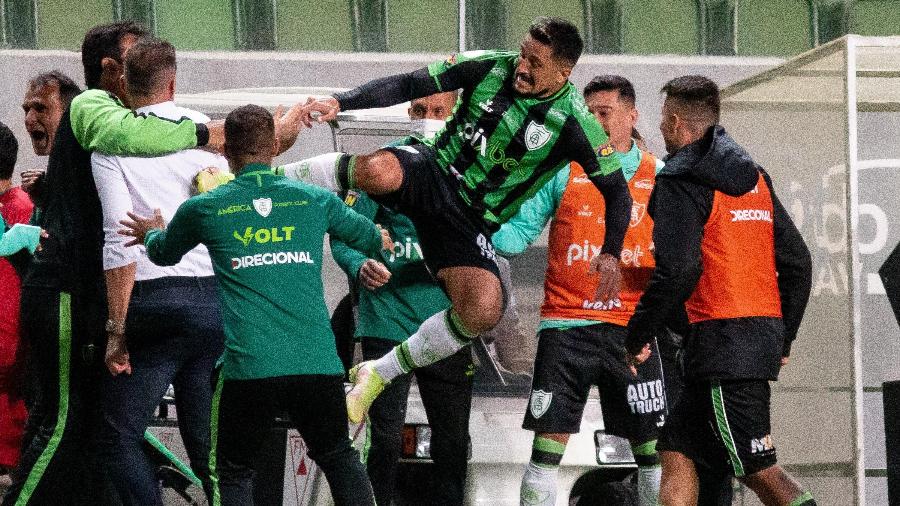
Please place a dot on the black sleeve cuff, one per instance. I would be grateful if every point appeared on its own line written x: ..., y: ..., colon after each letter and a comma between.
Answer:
x: 202, y: 135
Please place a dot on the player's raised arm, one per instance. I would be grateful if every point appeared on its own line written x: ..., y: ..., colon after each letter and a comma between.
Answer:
x: 459, y: 71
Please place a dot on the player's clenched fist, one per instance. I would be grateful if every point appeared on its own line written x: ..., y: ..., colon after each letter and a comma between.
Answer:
x: 373, y: 274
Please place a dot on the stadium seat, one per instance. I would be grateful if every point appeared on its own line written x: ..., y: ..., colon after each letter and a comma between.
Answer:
x: 774, y: 27
x: 416, y: 26
x: 60, y: 25
x: 660, y: 27
x: 875, y: 17
x: 300, y: 25
x: 211, y: 24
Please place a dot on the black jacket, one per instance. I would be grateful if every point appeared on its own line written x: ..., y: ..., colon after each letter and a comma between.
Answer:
x: 739, y: 348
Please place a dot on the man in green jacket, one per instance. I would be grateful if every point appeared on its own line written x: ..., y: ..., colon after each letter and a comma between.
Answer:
x: 265, y: 236
x: 397, y: 294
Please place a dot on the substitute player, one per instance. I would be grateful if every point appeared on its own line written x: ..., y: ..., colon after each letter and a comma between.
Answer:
x: 265, y: 236
x: 518, y: 123
x: 581, y: 340
x: 726, y: 246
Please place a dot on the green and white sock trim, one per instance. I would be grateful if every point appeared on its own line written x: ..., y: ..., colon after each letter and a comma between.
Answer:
x: 547, y: 453
x: 805, y: 499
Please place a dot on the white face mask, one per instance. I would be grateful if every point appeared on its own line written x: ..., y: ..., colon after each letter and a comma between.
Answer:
x: 427, y: 128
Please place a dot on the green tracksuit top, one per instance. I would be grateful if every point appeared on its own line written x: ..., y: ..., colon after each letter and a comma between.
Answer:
x: 265, y: 236
x: 398, y: 308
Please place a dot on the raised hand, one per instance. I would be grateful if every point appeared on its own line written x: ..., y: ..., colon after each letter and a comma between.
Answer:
x: 138, y: 226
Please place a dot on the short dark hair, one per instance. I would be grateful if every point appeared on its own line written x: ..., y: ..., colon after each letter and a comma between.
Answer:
x: 103, y: 41
x: 610, y: 82
x: 67, y: 87
x: 699, y: 94
x: 146, y: 63
x: 9, y: 151
x: 561, y: 35
x: 249, y: 130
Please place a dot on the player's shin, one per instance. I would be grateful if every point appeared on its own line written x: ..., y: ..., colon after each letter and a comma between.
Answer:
x: 539, y: 481
x: 649, y: 472
x: 332, y: 171
x: 438, y: 337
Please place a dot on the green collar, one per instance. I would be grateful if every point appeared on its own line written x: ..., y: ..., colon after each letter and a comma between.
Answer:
x: 255, y: 169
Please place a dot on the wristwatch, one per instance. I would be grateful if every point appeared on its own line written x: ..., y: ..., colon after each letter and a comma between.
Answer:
x: 116, y: 327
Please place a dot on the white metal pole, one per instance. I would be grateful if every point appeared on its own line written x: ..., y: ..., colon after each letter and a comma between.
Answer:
x: 462, y: 25
x: 855, y: 266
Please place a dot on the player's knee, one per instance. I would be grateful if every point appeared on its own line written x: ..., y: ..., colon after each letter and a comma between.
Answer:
x: 377, y: 173
x: 481, y: 313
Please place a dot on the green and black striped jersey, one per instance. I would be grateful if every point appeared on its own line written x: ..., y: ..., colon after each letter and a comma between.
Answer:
x: 501, y: 147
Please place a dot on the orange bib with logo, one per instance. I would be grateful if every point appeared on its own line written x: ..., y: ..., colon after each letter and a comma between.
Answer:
x: 576, y: 236
x: 738, y: 257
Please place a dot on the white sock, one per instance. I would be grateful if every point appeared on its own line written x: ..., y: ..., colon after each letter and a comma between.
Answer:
x: 538, y: 486
x: 319, y: 170
x: 648, y: 485
x: 433, y: 341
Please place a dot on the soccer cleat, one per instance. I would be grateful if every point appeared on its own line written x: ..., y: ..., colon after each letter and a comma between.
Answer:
x: 367, y: 384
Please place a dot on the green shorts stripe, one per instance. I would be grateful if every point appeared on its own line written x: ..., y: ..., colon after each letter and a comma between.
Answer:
x: 65, y: 354
x: 214, y: 440
x: 171, y: 457
x: 718, y: 402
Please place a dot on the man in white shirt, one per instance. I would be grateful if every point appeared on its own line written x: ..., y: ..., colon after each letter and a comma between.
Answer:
x: 164, y: 322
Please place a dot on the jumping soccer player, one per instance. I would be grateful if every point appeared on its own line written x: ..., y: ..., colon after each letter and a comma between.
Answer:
x: 519, y: 121
x: 727, y: 249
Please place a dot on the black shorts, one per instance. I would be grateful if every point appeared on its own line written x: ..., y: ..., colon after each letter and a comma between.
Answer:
x: 451, y: 233
x: 570, y: 360
x: 722, y: 425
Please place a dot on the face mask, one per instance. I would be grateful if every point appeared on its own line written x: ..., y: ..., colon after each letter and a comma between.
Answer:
x: 427, y: 128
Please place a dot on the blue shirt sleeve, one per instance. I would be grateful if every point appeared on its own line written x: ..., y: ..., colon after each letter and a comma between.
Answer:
x: 525, y: 227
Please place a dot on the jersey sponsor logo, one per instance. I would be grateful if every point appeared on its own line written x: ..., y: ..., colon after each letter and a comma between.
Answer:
x: 486, y: 105
x: 605, y: 150
x: 581, y: 252
x: 540, y: 402
x: 762, y: 444
x: 638, y: 211
x: 263, y: 206
x: 644, y: 184
x: 585, y: 211
x: 476, y: 138
x: 264, y: 259
x: 646, y: 397
x: 264, y: 235
x: 487, y: 249
x: 536, y: 136
x: 751, y: 215
x: 597, y: 305
x: 632, y: 257
x: 407, y: 250
x: 500, y: 72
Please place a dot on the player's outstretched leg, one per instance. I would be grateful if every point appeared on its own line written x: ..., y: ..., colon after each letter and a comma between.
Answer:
x: 476, y: 298
x: 377, y: 173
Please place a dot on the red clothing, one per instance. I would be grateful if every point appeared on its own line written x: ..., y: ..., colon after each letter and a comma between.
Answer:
x: 738, y: 255
x: 17, y: 208
x: 575, y: 235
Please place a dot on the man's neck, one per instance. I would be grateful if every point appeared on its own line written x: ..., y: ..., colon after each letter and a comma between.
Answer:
x: 5, y: 185
x: 623, y: 145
